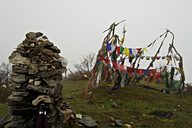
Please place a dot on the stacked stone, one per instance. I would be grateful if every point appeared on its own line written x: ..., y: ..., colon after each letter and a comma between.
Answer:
x: 36, y: 72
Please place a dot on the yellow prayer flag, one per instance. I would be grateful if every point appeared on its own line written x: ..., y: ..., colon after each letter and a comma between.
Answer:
x: 145, y: 49
x: 126, y: 51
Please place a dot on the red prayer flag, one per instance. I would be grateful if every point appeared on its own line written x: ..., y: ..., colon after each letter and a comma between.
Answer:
x: 118, y: 49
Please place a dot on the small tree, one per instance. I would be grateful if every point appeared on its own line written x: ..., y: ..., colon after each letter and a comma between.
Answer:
x: 86, y: 64
x: 5, y: 71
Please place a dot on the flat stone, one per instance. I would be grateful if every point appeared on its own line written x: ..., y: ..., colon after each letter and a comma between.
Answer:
x: 21, y: 50
x: 88, y: 122
x: 46, y: 59
x: 39, y: 34
x: 18, y: 78
x: 15, y: 98
x: 50, y: 82
x: 45, y: 42
x: 22, y: 94
x: 26, y: 44
x: 119, y: 122
x: 32, y: 44
x: 20, y: 69
x: 54, y: 49
x: 17, y: 58
x: 15, y: 85
x: 18, y: 103
x: 48, y: 52
x: 57, y: 64
x: 31, y: 35
x: 79, y: 116
x: 31, y: 81
x: 41, y: 89
x: 43, y: 68
x: 37, y: 82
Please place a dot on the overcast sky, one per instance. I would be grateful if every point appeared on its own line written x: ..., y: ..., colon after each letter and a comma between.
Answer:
x: 76, y: 26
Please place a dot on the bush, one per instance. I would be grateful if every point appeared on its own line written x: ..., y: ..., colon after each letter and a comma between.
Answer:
x: 4, y: 93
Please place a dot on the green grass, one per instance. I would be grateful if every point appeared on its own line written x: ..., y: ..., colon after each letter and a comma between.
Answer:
x: 134, y: 105
x: 3, y: 109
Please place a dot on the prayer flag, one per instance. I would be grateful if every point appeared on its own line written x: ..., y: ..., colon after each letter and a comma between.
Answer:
x: 118, y: 49
x: 126, y: 51
x: 121, y: 50
x: 108, y: 47
x: 130, y: 51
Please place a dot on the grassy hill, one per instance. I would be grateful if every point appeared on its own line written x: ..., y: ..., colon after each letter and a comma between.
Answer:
x: 133, y: 105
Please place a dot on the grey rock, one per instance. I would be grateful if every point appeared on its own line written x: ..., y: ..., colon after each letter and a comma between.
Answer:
x: 88, y: 122
x: 37, y: 82
x: 57, y: 64
x: 48, y: 52
x: 14, y: 85
x: 39, y: 34
x: 45, y: 42
x: 114, y: 105
x: 31, y: 81
x: 32, y: 44
x: 50, y: 82
x: 17, y: 58
x: 54, y: 49
x: 26, y: 45
x: 43, y: 68
x: 46, y: 59
x: 20, y: 69
x: 18, y: 78
x: 41, y: 89
x: 18, y: 104
x: 15, y: 98
x: 22, y: 94
x: 31, y: 35
x: 127, y: 126
x: 119, y: 122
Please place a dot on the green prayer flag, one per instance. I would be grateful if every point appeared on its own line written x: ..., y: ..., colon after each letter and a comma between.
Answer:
x: 121, y: 50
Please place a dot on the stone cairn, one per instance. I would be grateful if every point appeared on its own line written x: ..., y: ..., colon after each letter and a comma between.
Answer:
x: 36, y: 83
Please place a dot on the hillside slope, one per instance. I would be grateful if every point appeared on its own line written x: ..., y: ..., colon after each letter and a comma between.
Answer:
x: 134, y: 105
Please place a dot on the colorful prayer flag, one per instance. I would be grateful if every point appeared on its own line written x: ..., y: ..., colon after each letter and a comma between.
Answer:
x: 126, y: 51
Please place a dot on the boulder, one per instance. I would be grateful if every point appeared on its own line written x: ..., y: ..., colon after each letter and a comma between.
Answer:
x: 17, y: 58
x: 88, y: 122
x: 18, y: 78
